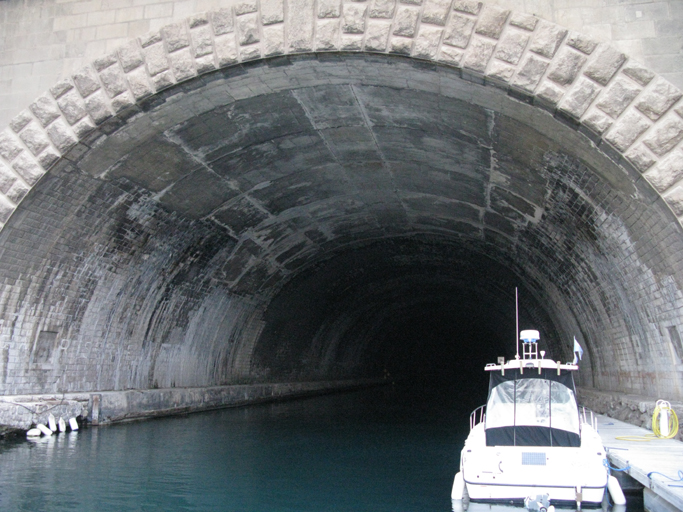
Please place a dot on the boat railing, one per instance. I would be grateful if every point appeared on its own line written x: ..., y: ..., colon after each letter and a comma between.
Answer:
x: 477, y: 416
x: 589, y: 418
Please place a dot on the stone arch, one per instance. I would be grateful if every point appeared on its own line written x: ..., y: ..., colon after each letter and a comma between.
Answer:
x: 546, y: 75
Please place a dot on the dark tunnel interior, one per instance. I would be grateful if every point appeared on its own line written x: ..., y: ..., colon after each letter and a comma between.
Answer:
x: 324, y: 218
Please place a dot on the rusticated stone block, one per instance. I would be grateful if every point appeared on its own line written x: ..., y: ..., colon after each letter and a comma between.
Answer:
x: 198, y: 20
x: 658, y: 98
x: 61, y: 88
x: 72, y: 106
x: 222, y: 21
x: 468, y: 6
x: 406, y: 21
x: 17, y: 192
x: 272, y: 12
x: 48, y: 157
x: 451, y: 55
x: 97, y: 107
x: 205, y: 64
x: 6, y: 209
x: 86, y: 81
x: 61, y: 135
x: 530, y: 73
x: 155, y: 58
x: 83, y: 128
x: 202, y: 41
x: 674, y: 198
x: 427, y: 42
x: 549, y: 93
x: 327, y: 34
x: 619, y: 95
x: 523, y: 21
x: 668, y: 171
x: 665, y: 135
x: 604, y: 63
x: 641, y: 157
x: 35, y: 138
x: 182, y: 64
x: 130, y: 56
x: 459, y: 31
x: 351, y: 42
x: 436, y: 12
x: 401, y: 45
x: 300, y: 25
x: 491, y: 21
x: 248, y: 29
x: 547, y: 39
x: 500, y: 71
x: 597, y: 121
x: 329, y: 8
x: 478, y: 54
x: 579, y: 98
x: 20, y: 121
x: 353, y: 21
x: 377, y: 36
x: 45, y: 109
x: 511, y: 46
x: 122, y: 102
x: 104, y: 62
x: 582, y: 43
x: 175, y: 36
x: 149, y: 39
x: 627, y: 130
x: 139, y: 84
x: 7, y: 178
x: 245, y: 7
x: 638, y: 73
x: 566, y: 66
x: 250, y: 52
x: 382, y: 9
x: 273, y: 40
x: 113, y: 80
x: 226, y: 50
x: 28, y: 168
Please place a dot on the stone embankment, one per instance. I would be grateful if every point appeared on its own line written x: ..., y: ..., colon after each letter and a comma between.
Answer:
x: 634, y: 409
x: 100, y: 408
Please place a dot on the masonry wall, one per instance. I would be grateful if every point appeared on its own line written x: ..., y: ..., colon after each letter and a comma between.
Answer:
x: 43, y: 41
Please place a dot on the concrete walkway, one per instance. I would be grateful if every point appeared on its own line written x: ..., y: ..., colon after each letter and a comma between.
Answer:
x: 663, y: 456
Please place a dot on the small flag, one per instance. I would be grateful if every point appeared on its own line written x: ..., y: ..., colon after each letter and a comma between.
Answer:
x: 577, y: 351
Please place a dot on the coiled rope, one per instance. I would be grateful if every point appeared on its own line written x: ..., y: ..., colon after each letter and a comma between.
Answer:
x: 662, y: 406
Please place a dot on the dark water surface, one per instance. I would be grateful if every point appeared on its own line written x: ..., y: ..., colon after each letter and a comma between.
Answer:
x: 385, y: 449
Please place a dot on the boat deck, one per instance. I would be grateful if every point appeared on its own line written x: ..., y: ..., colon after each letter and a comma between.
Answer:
x: 663, y: 456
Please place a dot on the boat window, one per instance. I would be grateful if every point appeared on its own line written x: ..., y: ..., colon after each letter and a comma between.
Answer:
x: 564, y: 411
x: 539, y: 402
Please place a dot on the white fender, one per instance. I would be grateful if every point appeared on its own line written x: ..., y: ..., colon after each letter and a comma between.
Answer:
x: 44, y: 429
x: 34, y: 432
x: 61, y: 424
x: 73, y: 423
x: 615, y: 491
x: 52, y: 423
x: 458, y: 487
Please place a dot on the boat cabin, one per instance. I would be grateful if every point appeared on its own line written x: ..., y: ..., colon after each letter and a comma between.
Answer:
x: 532, y: 401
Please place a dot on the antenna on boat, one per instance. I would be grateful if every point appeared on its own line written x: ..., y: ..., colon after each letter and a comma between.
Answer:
x: 516, y: 323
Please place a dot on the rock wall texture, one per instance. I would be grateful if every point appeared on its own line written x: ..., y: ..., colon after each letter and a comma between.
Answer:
x: 273, y: 191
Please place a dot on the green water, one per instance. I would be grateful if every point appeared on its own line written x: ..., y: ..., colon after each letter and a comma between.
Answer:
x: 386, y: 449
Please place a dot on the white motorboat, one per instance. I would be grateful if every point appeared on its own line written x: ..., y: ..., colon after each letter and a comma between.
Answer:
x: 530, y: 443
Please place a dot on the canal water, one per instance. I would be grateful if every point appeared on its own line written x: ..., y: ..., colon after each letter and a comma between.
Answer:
x: 385, y: 449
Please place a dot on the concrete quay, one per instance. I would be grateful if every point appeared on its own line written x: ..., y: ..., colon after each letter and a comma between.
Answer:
x: 647, y: 461
x: 106, y: 407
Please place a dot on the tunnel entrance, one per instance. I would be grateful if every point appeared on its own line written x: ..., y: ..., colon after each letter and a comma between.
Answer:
x: 330, y: 216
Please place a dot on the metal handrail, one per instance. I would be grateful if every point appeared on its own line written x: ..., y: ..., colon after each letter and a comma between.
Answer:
x: 591, y: 420
x: 477, y: 416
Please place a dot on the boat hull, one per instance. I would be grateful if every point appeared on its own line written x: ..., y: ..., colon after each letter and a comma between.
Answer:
x: 504, y: 473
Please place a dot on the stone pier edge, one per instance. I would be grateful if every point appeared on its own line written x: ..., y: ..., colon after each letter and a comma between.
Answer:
x: 107, y: 407
x: 627, y: 111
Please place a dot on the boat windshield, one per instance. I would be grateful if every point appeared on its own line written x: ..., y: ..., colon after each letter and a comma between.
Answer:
x: 532, y: 402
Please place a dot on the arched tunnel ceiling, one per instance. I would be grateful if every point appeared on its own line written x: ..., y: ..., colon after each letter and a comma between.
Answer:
x: 297, y: 218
